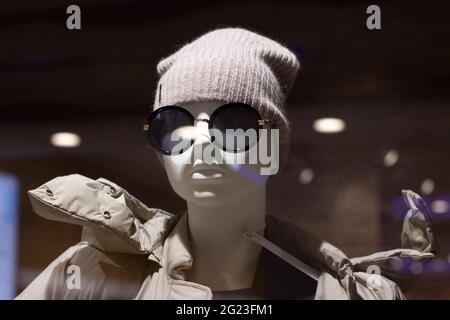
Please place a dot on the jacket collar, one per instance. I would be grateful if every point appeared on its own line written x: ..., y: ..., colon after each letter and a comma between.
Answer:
x: 176, y: 251
x: 177, y: 260
x: 272, y: 274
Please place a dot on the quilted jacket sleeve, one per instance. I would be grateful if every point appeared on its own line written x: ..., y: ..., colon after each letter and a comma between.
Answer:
x: 87, y: 273
x: 51, y: 282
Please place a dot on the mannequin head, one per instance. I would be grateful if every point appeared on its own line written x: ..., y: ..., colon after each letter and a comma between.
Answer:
x: 223, y: 66
x: 221, y: 182
x: 226, y: 65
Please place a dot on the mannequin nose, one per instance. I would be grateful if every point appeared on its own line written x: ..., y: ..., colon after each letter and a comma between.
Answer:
x: 202, y: 136
x: 203, y: 142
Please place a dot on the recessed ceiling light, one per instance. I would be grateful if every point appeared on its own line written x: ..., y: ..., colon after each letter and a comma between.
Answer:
x: 329, y: 125
x: 427, y: 186
x: 416, y: 267
x: 65, y: 139
x: 440, y: 206
x: 306, y: 176
x: 391, y: 158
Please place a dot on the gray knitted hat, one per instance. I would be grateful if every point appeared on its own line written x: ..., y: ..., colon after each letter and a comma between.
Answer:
x: 231, y: 65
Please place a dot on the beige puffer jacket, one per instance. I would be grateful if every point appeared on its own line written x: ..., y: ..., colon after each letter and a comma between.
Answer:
x: 131, y: 251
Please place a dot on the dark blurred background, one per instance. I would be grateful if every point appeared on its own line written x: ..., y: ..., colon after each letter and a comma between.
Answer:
x: 389, y: 86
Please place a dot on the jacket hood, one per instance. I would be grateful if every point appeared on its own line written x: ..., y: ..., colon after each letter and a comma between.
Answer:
x: 112, y: 218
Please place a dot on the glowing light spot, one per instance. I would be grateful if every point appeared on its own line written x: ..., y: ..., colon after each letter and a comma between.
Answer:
x: 427, y: 186
x: 391, y: 158
x: 440, y: 206
x: 65, y: 139
x: 306, y: 176
x: 329, y: 125
x: 416, y: 267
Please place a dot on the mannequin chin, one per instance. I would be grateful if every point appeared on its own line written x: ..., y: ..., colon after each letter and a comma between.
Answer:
x: 215, y: 184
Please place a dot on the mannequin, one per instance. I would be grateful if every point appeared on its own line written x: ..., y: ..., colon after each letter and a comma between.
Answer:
x: 130, y: 251
x: 221, y: 205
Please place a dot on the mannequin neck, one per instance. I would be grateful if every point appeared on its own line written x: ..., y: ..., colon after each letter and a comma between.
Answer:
x: 223, y: 258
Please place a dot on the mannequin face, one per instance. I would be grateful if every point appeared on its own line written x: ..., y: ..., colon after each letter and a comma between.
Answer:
x: 216, y: 184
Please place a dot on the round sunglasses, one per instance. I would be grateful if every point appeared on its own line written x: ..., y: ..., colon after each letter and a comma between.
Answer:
x: 171, y: 129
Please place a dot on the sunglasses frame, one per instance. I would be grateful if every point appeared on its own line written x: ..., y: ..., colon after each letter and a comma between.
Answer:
x: 146, y: 127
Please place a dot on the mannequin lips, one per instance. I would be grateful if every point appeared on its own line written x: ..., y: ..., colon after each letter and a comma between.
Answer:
x: 204, y: 173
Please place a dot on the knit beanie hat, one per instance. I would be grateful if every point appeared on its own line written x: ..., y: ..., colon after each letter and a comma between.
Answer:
x: 231, y: 65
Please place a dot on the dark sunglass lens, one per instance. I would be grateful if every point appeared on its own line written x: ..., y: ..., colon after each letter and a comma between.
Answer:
x: 235, y: 127
x: 171, y: 130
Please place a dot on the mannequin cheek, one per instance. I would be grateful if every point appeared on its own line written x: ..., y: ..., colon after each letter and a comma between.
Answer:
x: 171, y: 167
x: 175, y: 167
